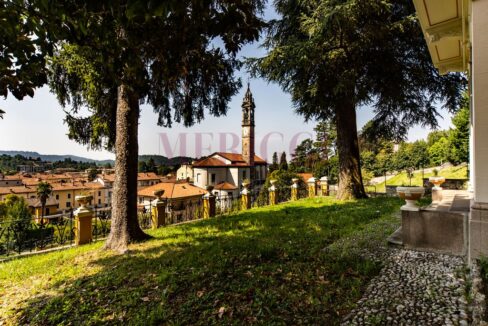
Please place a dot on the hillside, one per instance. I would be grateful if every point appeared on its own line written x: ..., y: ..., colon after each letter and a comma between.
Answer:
x: 454, y: 172
x: 158, y: 159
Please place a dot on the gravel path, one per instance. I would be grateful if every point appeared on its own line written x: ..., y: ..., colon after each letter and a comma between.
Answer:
x: 414, y: 288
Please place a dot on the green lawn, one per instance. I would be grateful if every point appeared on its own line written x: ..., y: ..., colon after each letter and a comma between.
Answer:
x: 295, y: 263
x: 455, y: 172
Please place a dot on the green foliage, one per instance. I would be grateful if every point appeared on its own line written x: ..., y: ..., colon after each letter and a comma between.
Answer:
x: 305, y: 156
x: 165, y: 170
x: 436, y: 135
x: 9, y: 163
x: 274, y: 163
x: 283, y: 162
x: 163, y: 54
x: 44, y: 190
x: 326, y: 139
x: 456, y: 172
x: 439, y: 151
x: 283, y: 184
x: 326, y: 52
x: 14, y: 207
x: 25, y: 41
x: 142, y: 166
x: 300, y: 262
x: 459, y: 137
x: 92, y: 174
x: 367, y: 176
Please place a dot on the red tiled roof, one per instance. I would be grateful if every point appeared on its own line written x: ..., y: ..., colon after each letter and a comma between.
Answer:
x: 172, y: 190
x: 234, y: 157
x: 225, y: 186
x: 236, y: 160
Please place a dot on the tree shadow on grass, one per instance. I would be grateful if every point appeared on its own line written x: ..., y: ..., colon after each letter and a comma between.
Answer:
x: 258, y: 267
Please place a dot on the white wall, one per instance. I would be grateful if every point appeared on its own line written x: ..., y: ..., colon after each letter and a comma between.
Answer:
x: 480, y: 98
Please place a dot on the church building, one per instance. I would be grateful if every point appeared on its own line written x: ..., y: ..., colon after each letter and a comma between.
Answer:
x: 226, y: 171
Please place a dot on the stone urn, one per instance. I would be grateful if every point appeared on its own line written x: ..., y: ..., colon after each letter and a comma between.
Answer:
x: 245, y: 188
x: 84, y: 200
x: 437, y: 182
x: 295, y: 182
x: 158, y: 193
x: 410, y: 195
x: 273, y: 182
x: 209, y: 191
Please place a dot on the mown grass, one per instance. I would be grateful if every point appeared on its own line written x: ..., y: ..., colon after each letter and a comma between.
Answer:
x: 295, y: 263
x: 401, y: 179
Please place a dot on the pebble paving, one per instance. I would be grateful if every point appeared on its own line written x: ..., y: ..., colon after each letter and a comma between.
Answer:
x: 414, y: 288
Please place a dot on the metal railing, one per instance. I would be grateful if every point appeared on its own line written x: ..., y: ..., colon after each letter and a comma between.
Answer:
x: 27, y: 235
x: 19, y: 236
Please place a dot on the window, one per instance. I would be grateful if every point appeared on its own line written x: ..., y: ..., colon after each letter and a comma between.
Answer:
x: 68, y: 204
x: 212, y: 178
x: 47, y: 211
x: 198, y: 177
x: 99, y: 201
x: 69, y: 196
x: 99, y: 193
x: 244, y: 174
x: 57, y: 197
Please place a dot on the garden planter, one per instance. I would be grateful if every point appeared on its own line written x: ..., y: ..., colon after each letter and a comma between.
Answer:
x: 437, y: 182
x: 410, y: 195
x: 84, y: 200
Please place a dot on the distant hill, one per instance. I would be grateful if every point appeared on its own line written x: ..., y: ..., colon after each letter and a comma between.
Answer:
x: 158, y: 159
x: 163, y: 160
x: 54, y: 158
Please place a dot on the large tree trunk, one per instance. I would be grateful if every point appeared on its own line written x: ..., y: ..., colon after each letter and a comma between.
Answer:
x: 350, y: 179
x: 125, y: 227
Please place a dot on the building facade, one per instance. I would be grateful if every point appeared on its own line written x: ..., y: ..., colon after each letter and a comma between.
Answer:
x: 227, y: 171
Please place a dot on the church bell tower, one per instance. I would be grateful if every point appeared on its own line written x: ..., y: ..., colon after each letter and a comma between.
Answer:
x: 248, y: 107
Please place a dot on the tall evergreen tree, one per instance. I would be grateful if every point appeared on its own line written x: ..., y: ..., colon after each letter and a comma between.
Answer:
x: 334, y: 57
x: 123, y: 53
x: 326, y: 138
x: 283, y: 162
x: 274, y: 163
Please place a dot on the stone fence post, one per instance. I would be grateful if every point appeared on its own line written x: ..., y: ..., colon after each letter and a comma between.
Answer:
x: 245, y: 196
x: 209, y: 203
x: 83, y: 221
x: 294, y: 189
x: 272, y: 193
x: 324, y: 186
x: 312, y: 187
x: 158, y: 214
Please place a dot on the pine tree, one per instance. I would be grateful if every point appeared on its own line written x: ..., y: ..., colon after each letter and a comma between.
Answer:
x: 283, y: 162
x: 120, y: 54
x: 335, y: 57
x: 274, y: 164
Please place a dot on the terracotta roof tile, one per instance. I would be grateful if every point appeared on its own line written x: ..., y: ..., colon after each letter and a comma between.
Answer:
x: 236, y: 160
x: 225, y: 186
x: 172, y: 190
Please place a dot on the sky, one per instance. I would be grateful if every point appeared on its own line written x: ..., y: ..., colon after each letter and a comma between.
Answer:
x: 37, y: 124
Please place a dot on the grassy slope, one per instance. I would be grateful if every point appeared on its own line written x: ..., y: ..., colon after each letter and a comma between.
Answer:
x: 455, y: 172
x: 296, y: 263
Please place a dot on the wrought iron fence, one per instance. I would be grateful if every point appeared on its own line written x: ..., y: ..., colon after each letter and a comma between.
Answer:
x: 101, y: 222
x: 184, y: 211
x: 227, y: 204
x: 26, y: 235
x: 17, y: 236
x: 144, y: 216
